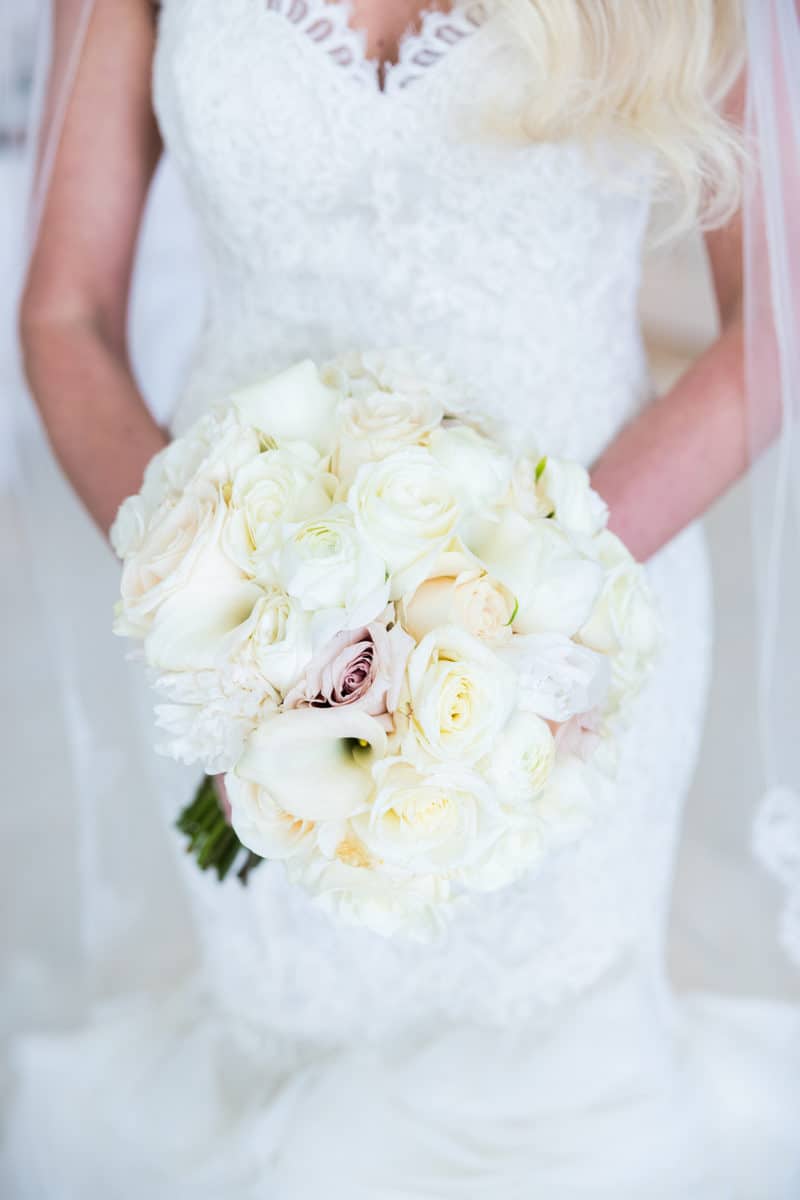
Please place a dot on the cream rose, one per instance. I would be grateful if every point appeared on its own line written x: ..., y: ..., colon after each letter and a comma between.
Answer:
x: 429, y: 821
x: 325, y: 564
x: 472, y: 599
x: 461, y: 695
x: 372, y: 426
x: 181, y: 535
x: 279, y: 486
x: 555, y: 584
x: 405, y: 511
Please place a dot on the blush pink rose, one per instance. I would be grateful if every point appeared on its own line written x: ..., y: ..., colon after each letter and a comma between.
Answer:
x: 580, y: 735
x: 362, y: 667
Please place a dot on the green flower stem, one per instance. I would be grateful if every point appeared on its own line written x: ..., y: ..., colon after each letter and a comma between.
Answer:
x: 212, y: 841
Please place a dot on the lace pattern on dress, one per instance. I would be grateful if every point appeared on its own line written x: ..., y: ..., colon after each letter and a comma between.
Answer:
x: 329, y: 25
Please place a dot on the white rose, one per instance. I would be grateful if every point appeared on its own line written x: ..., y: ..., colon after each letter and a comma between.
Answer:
x: 429, y: 821
x: 294, y: 406
x: 180, y: 536
x: 555, y: 585
x: 326, y: 565
x: 406, y: 512
x: 402, y: 371
x: 472, y: 599
x: 372, y: 426
x: 461, y: 695
x: 477, y: 468
x: 577, y: 794
x: 521, y: 759
x: 542, y: 486
x: 315, y: 762
x: 213, y: 450
x: 624, y: 617
x: 556, y: 678
x: 275, y: 638
x: 280, y: 486
x: 262, y: 825
x: 351, y: 889
x: 129, y: 528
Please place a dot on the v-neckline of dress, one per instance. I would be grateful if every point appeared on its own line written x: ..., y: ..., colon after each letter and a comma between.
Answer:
x: 328, y: 23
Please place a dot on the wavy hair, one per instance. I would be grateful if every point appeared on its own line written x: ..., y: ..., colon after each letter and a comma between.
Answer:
x: 656, y: 71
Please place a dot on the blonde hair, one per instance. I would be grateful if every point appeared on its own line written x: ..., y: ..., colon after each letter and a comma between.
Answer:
x: 657, y: 71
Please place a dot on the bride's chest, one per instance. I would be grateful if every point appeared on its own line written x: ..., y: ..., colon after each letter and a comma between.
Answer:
x: 271, y: 107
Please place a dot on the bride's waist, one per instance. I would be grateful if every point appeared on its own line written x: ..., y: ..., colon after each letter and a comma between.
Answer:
x: 574, y: 390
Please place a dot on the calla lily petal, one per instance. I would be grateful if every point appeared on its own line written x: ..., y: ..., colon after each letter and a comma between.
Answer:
x: 315, y: 762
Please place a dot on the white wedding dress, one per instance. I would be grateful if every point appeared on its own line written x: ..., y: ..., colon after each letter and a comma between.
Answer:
x: 538, y: 1050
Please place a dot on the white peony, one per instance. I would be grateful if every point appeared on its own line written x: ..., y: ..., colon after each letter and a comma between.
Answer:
x: 542, y: 486
x: 426, y: 821
x: 461, y: 695
x: 476, y: 467
x: 555, y: 584
x: 405, y: 511
x: 293, y: 406
x: 326, y: 565
x: 279, y: 486
x: 556, y: 678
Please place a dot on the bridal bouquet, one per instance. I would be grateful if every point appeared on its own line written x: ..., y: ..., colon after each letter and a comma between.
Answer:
x: 406, y: 638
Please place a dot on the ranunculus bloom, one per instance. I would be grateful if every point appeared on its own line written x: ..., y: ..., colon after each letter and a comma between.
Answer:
x: 361, y: 667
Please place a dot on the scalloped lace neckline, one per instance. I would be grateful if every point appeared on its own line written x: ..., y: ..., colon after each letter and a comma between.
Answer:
x: 328, y: 24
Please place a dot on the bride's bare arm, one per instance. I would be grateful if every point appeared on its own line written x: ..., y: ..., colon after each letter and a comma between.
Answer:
x: 685, y: 449
x: 74, y: 308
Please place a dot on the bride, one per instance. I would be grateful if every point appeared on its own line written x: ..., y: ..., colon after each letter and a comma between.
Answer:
x: 473, y: 179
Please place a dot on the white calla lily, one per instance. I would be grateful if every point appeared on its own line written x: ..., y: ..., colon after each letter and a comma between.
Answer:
x: 294, y: 405
x: 315, y: 762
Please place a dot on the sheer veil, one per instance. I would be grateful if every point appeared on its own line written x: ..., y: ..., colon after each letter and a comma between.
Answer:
x: 113, y: 784
x: 96, y: 784
x: 772, y: 328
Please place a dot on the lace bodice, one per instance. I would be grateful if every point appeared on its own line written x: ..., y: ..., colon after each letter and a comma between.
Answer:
x: 337, y: 215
